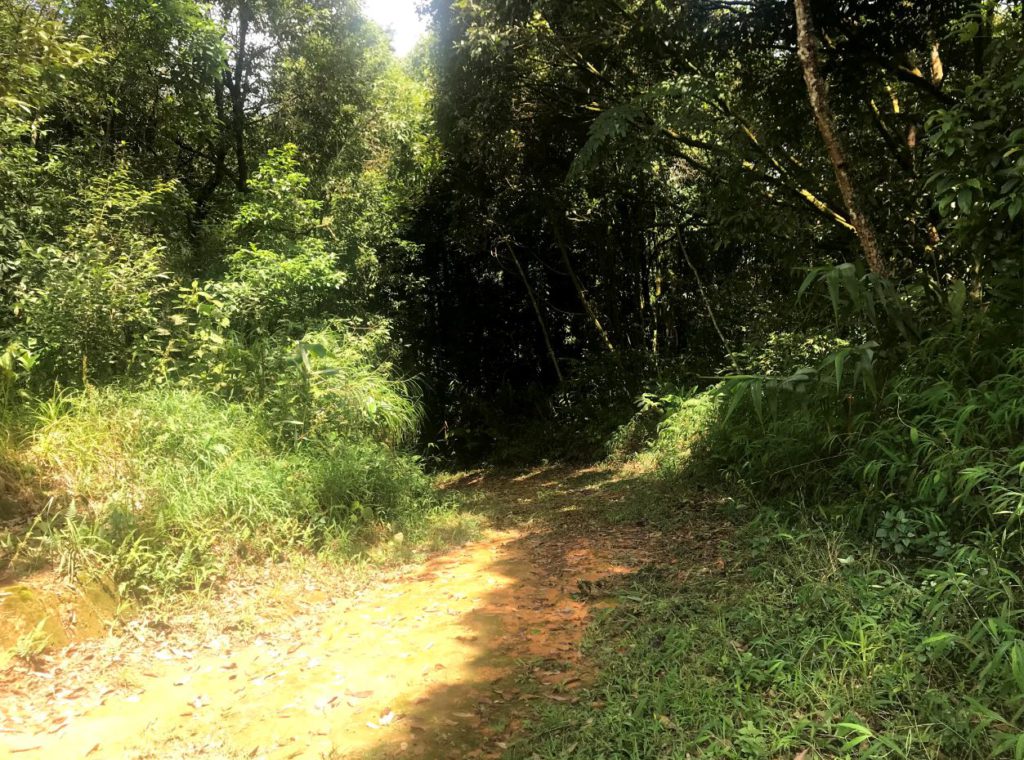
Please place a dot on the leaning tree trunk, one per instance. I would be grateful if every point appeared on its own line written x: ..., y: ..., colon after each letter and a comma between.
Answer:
x: 817, y: 93
x: 580, y: 292
x: 540, y: 316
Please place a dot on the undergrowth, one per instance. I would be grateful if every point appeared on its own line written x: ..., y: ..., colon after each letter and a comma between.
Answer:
x: 162, y: 489
x: 933, y: 457
x: 873, y: 605
x: 814, y: 644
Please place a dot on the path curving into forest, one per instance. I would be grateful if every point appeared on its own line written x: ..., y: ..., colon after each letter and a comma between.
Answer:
x: 448, y: 659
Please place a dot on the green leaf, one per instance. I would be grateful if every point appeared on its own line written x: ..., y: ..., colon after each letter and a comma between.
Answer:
x: 757, y: 396
x: 832, y: 280
x: 809, y: 280
x: 839, y: 360
x: 956, y: 299
x: 964, y: 199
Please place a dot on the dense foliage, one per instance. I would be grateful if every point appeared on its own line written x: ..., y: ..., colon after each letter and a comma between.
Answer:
x: 791, y: 234
x: 198, y: 204
x: 639, y: 185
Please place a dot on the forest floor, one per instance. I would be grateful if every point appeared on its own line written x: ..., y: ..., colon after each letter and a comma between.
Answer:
x: 445, y: 658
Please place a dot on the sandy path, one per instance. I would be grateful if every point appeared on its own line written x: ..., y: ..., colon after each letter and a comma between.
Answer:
x: 442, y: 662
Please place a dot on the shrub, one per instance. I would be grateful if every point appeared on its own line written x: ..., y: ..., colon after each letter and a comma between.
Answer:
x: 334, y: 381
x: 342, y: 386
x: 946, y: 452
x: 282, y: 270
x: 917, y: 452
x: 88, y: 299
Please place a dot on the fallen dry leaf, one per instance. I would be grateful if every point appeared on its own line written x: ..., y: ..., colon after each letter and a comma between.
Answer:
x: 324, y: 702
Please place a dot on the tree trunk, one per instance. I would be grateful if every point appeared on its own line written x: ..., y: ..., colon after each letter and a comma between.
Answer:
x: 539, y: 315
x: 707, y: 304
x: 237, y: 88
x: 219, y: 155
x: 587, y: 307
x: 817, y: 93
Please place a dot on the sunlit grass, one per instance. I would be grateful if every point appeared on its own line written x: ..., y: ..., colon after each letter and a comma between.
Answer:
x: 161, y: 490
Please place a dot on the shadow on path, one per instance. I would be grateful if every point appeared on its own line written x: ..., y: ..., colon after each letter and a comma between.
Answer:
x: 447, y: 661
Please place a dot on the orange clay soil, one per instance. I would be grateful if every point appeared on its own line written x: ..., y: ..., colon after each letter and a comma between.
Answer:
x: 444, y: 660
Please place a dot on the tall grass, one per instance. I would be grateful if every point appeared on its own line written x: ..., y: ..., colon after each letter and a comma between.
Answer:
x: 160, y: 489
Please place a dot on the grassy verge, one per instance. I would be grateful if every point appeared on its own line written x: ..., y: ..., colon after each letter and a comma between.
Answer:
x: 804, y: 644
x: 876, y: 605
x: 163, y: 490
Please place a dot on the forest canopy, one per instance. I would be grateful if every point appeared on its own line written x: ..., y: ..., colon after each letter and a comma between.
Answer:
x: 540, y: 192
x: 656, y: 175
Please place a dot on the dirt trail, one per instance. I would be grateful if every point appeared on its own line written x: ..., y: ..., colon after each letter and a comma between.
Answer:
x: 441, y: 662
